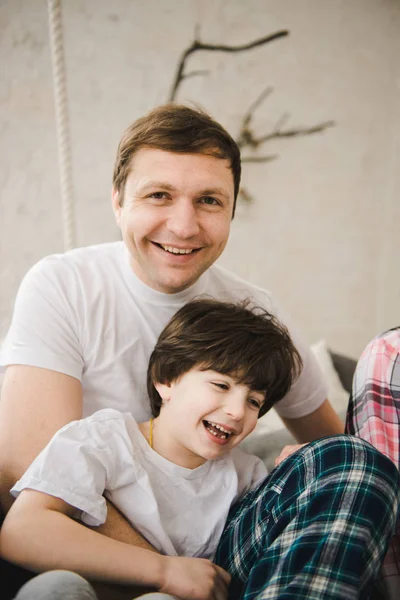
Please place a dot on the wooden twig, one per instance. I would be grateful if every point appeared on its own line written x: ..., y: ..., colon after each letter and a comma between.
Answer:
x: 197, y: 46
x: 259, y: 159
x: 253, y: 107
x: 288, y: 133
x: 195, y: 73
x: 246, y: 137
x: 245, y: 195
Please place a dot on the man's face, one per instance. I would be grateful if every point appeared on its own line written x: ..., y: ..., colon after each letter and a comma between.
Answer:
x: 175, y: 216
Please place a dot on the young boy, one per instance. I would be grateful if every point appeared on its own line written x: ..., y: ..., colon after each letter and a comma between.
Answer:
x: 215, y: 369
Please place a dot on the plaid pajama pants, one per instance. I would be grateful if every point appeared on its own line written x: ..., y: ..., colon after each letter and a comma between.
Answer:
x: 317, y: 528
x: 374, y: 415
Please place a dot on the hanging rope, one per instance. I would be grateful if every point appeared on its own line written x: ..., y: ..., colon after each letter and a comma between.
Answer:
x: 62, y: 122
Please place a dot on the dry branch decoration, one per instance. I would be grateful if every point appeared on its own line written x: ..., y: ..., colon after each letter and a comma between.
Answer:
x: 246, y: 139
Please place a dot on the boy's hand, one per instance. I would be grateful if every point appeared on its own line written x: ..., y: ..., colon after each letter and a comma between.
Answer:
x: 194, y: 579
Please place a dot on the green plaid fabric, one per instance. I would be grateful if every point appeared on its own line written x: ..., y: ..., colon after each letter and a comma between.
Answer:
x: 317, y: 528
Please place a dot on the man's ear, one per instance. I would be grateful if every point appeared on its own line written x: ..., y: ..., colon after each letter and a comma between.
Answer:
x: 116, y: 205
x: 164, y: 389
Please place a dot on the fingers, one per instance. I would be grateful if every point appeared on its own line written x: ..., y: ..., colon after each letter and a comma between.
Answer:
x: 287, y: 451
x: 220, y: 591
x: 195, y: 579
x: 224, y: 575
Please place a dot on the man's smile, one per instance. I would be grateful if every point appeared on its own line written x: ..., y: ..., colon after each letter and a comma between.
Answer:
x: 175, y: 249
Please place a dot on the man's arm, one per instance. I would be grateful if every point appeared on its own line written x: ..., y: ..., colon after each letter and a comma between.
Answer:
x: 118, y: 528
x: 34, y: 404
x: 321, y: 422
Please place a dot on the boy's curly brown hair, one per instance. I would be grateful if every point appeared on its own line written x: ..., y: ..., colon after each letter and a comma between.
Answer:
x: 240, y: 340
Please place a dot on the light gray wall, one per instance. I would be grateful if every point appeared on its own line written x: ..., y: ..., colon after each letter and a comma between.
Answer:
x: 323, y: 230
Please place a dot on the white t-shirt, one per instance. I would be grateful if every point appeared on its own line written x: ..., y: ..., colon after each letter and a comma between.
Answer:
x: 86, y: 314
x: 180, y: 511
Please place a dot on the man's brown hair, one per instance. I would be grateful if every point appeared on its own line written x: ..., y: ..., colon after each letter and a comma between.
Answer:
x: 240, y: 340
x: 176, y: 128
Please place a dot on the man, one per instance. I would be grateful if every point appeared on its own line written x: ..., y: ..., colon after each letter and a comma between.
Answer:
x: 85, y: 322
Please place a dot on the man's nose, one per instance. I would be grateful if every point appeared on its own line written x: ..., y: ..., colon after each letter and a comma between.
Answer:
x: 183, y: 219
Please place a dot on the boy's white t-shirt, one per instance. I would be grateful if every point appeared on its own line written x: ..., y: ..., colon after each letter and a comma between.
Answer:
x: 180, y: 511
x: 86, y: 314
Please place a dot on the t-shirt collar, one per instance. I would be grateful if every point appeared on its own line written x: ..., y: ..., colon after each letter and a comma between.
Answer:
x: 154, y: 296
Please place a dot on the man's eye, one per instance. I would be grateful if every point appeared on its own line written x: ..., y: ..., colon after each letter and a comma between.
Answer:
x: 158, y: 195
x: 209, y: 200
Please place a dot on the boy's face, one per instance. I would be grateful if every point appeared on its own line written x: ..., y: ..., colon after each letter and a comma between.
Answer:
x: 204, y: 415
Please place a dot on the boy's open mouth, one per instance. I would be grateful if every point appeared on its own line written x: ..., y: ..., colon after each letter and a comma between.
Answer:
x: 217, y: 430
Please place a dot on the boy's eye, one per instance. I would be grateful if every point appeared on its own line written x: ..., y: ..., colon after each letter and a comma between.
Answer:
x: 254, y: 402
x: 220, y: 385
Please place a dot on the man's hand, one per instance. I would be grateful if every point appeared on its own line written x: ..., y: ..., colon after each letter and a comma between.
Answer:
x: 287, y: 451
x: 194, y: 579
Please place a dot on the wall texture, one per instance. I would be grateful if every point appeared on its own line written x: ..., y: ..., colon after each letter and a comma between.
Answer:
x: 322, y: 231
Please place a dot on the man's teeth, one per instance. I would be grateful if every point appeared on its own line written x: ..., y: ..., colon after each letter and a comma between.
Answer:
x: 177, y: 250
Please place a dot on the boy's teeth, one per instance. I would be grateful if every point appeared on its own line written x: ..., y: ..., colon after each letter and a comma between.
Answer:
x: 221, y: 432
x: 219, y: 427
x: 176, y: 250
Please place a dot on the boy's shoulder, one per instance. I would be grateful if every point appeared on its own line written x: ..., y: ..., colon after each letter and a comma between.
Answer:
x: 100, y: 424
x: 250, y: 469
x: 244, y: 459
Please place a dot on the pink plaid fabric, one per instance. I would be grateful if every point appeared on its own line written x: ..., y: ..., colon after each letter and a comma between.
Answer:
x: 374, y: 415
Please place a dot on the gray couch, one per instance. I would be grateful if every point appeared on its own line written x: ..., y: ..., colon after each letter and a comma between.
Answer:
x: 268, y: 446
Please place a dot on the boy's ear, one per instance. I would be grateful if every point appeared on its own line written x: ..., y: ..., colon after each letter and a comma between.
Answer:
x: 164, y: 389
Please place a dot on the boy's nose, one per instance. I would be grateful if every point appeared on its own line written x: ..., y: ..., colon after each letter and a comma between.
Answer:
x: 235, y: 408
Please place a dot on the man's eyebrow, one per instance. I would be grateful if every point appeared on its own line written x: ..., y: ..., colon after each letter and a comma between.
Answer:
x: 157, y: 184
x: 214, y: 192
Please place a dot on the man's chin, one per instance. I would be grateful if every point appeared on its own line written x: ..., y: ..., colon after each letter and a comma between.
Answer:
x: 175, y: 280
x: 174, y: 286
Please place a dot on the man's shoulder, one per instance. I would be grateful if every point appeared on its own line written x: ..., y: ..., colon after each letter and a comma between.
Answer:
x: 86, y: 255
x: 79, y: 262
x: 225, y: 285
